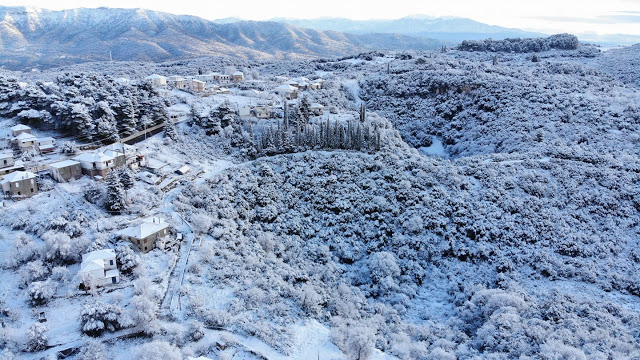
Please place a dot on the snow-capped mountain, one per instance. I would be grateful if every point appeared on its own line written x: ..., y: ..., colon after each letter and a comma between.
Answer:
x: 40, y: 38
x: 446, y: 28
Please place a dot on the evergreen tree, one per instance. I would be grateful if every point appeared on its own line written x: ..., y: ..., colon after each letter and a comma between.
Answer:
x: 304, y: 109
x: 126, y: 178
x: 115, y: 201
x: 170, y: 132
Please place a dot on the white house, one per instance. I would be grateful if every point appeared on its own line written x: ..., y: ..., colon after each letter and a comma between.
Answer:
x: 288, y: 91
x: 316, y: 108
x: 224, y: 79
x: 197, y: 86
x: 157, y: 80
x: 244, y: 111
x: 177, y: 82
x: 63, y: 171
x: 262, y: 111
x: 19, y: 129
x: 145, y: 235
x: 99, y: 268
x: 6, y: 159
x: 46, y: 144
x: 95, y: 163
x: 237, y: 76
x: 25, y: 140
x: 207, y: 78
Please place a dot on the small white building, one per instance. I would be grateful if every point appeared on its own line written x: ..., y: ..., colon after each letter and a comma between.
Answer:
x: 237, y: 77
x: 145, y: 235
x: 262, y: 111
x: 63, y: 171
x: 95, y: 163
x: 224, y: 79
x: 244, y: 111
x: 157, y: 80
x: 99, y: 268
x: 6, y: 159
x: 197, y: 86
x: 19, y: 129
x: 178, y: 82
x: 288, y: 91
x: 317, y: 109
x: 46, y: 144
x: 207, y: 78
x: 25, y: 140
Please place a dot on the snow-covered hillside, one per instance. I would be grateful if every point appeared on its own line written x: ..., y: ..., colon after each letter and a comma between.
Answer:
x: 492, y: 210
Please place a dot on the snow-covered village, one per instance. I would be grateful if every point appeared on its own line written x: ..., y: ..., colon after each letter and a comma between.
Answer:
x: 480, y: 199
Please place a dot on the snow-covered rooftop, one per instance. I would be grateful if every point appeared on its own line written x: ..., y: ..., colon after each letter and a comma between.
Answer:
x: 155, y: 76
x: 26, y: 137
x: 99, y: 255
x: 63, y: 164
x: 6, y: 155
x: 286, y: 87
x: 88, y: 266
x: 149, y: 226
x: 17, y: 176
x: 93, y: 157
x: 20, y: 127
x: 238, y: 73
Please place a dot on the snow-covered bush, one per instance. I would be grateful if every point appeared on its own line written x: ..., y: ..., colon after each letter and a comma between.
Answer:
x: 158, y: 350
x: 126, y: 258
x: 196, y: 330
x: 92, y: 349
x: 40, y: 292
x: 100, y: 317
x: 37, y: 338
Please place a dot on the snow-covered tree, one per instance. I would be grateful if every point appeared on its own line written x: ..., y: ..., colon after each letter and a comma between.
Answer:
x: 115, y: 201
x: 40, y: 292
x: 37, y: 338
x: 158, y: 350
x: 100, y: 317
x: 127, y: 258
x: 92, y: 349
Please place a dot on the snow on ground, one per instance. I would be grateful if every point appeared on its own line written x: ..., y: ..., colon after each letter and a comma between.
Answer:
x: 436, y: 148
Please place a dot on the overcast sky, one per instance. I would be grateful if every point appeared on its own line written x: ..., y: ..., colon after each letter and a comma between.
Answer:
x: 551, y: 16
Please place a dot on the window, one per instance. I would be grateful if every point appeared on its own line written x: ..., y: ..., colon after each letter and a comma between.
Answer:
x: 110, y: 262
x: 113, y: 280
x: 17, y: 185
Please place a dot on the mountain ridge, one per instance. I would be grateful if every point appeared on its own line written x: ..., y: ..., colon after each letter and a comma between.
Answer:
x: 32, y: 37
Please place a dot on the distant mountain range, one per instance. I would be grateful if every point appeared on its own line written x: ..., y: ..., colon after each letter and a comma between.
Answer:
x: 452, y: 29
x: 42, y: 38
